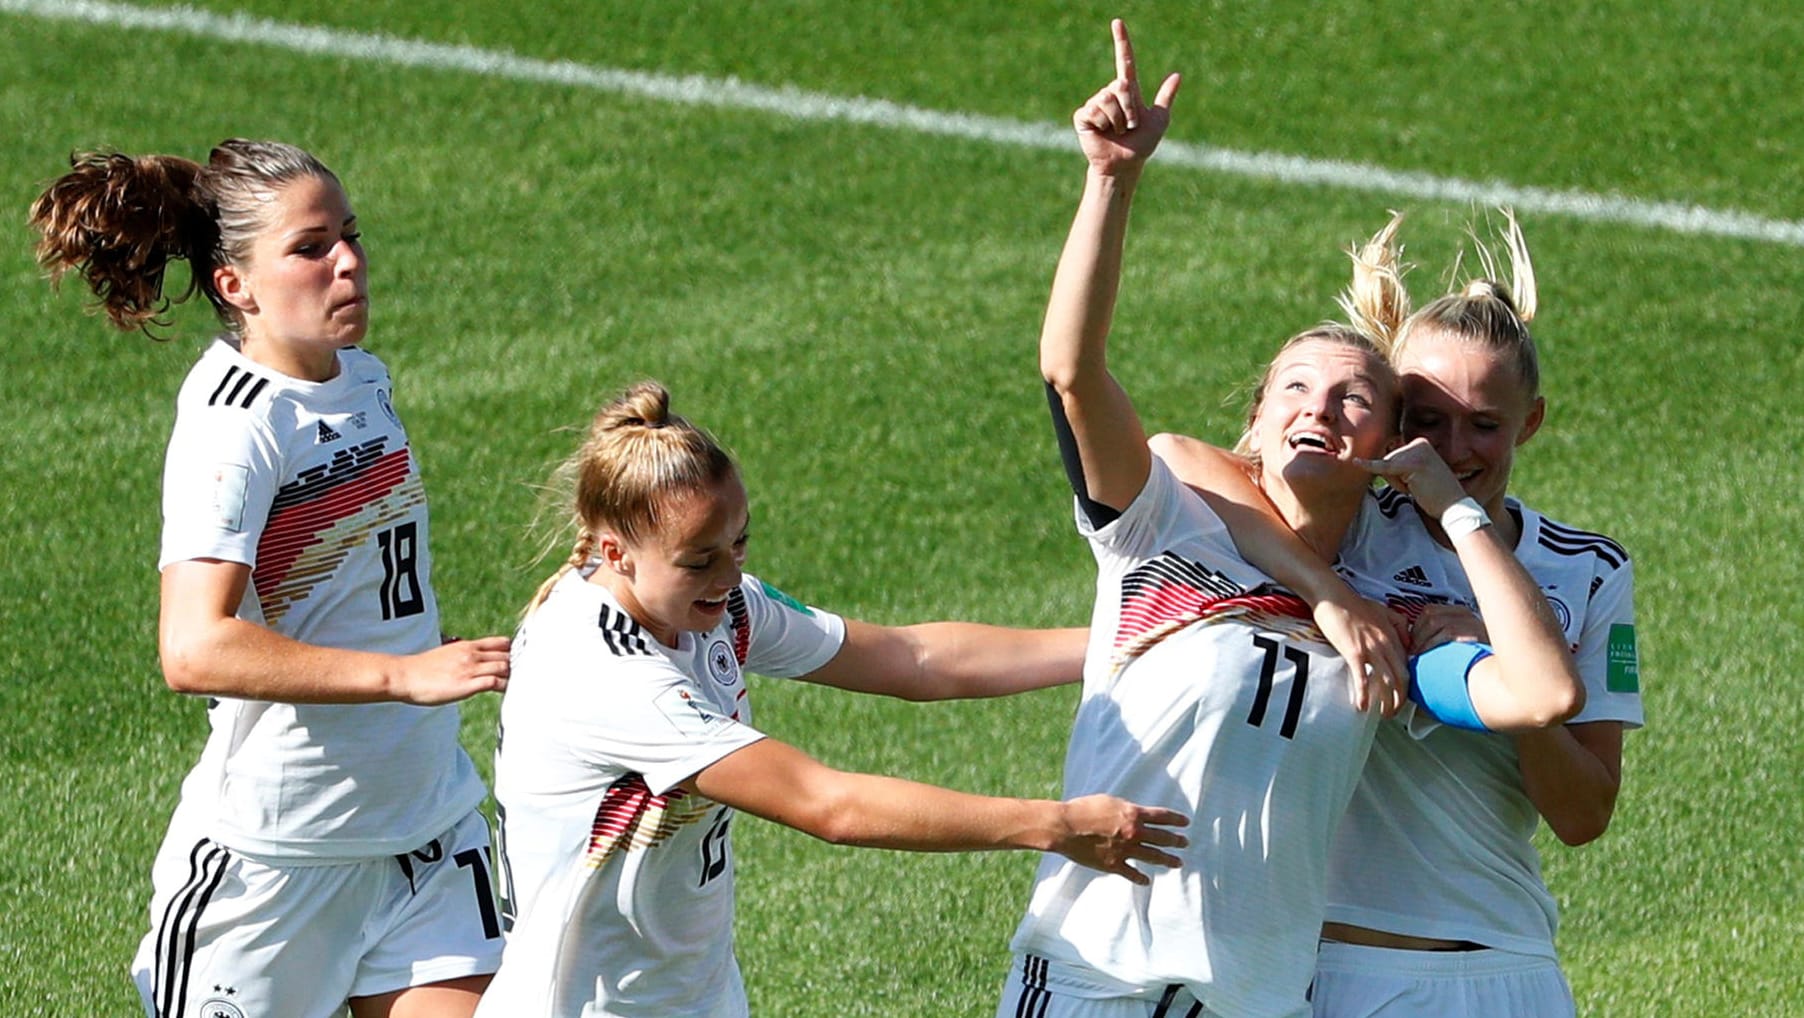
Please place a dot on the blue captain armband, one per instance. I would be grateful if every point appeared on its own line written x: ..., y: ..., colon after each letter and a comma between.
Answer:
x: 1438, y: 683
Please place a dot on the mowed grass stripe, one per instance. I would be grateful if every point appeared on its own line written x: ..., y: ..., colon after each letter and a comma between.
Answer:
x: 801, y: 105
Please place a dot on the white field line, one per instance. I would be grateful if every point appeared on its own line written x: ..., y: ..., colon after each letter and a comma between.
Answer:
x: 733, y: 94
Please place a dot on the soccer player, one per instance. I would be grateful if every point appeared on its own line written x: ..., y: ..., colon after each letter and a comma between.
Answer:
x: 627, y: 741
x: 327, y: 849
x: 1205, y: 685
x: 1436, y: 903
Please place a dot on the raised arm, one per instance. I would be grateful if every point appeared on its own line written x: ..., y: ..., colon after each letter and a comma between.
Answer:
x: 782, y: 784
x: 207, y: 650
x: 952, y: 660
x: 1531, y: 681
x: 1118, y: 133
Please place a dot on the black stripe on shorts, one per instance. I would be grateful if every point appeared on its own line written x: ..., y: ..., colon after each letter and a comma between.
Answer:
x: 1034, y: 998
x: 181, y: 919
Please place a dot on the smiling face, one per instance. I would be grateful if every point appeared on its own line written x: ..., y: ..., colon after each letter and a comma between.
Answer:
x: 302, y: 289
x: 1470, y: 403
x: 1324, y: 403
x: 676, y: 579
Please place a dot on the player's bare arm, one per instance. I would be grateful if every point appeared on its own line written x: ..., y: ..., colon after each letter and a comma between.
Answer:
x: 782, y: 784
x: 1118, y: 133
x: 206, y: 650
x: 952, y: 660
x: 1367, y: 634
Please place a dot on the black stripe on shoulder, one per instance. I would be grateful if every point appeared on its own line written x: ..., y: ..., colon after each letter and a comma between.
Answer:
x: 239, y: 388
x: 1390, y: 501
x: 623, y: 636
x: 1568, y: 541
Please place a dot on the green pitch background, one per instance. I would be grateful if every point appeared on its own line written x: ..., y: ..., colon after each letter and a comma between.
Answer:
x: 854, y: 310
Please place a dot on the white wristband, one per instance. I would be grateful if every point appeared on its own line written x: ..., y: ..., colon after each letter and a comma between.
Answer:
x: 1463, y: 517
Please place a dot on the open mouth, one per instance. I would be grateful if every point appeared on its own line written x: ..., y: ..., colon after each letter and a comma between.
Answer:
x: 1313, y: 441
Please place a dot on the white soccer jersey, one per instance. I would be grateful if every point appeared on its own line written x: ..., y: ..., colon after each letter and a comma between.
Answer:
x: 1436, y: 842
x: 619, y: 883
x: 313, y: 485
x: 1209, y: 692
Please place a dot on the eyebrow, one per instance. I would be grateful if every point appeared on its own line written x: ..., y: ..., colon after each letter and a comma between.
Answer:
x: 304, y: 230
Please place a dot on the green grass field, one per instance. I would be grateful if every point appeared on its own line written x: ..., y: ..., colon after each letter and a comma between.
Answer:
x: 853, y: 308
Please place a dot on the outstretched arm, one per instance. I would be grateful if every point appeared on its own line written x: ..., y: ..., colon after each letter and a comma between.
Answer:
x: 207, y: 650
x: 1118, y: 133
x: 781, y: 783
x: 952, y: 660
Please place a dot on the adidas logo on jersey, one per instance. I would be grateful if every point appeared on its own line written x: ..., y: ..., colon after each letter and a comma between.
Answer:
x: 326, y: 434
x: 1414, y: 576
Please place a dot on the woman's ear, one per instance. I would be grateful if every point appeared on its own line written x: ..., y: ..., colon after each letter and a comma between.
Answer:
x: 233, y: 286
x: 1532, y: 423
x: 614, y: 554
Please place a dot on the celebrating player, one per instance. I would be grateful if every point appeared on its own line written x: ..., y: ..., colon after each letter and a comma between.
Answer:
x: 327, y: 848
x: 627, y: 742
x: 1467, y: 928
x: 1206, y: 687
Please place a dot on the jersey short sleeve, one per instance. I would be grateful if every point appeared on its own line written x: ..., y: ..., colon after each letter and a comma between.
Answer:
x: 784, y: 637
x: 219, y: 478
x: 1163, y: 507
x: 1608, y: 660
x: 660, y: 725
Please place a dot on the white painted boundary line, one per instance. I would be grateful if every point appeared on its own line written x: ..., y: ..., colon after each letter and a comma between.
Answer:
x: 733, y: 94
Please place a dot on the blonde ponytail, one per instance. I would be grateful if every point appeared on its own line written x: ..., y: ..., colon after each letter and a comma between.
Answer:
x: 1376, y: 302
x: 1485, y: 310
x: 636, y: 458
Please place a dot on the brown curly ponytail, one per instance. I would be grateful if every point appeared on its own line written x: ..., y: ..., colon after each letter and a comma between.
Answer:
x: 119, y: 221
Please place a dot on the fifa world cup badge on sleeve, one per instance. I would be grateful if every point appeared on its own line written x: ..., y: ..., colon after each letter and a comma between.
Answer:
x: 783, y: 599
x: 1623, y: 673
x: 230, y: 481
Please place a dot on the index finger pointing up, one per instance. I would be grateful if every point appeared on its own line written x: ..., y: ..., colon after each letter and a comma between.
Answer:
x: 1124, y: 52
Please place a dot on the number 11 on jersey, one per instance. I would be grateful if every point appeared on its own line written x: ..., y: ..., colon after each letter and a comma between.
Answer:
x: 1268, y: 672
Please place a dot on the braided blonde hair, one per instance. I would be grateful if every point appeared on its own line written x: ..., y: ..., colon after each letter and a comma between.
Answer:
x: 636, y: 458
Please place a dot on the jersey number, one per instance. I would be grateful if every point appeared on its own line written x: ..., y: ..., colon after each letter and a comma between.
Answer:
x: 400, y: 594
x: 714, y: 847
x: 473, y: 859
x: 1268, y: 671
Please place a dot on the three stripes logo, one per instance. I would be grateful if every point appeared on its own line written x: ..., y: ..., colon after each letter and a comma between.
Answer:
x: 1564, y: 540
x: 326, y: 434
x: 622, y: 635
x: 178, y: 931
x: 238, y: 388
x: 1413, y: 576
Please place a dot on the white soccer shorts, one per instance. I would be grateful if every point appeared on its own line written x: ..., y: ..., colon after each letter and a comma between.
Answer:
x: 233, y: 936
x: 1353, y: 981
x: 1026, y: 994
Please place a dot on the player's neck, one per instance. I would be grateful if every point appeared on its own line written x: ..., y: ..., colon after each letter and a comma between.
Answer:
x: 1321, y: 520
